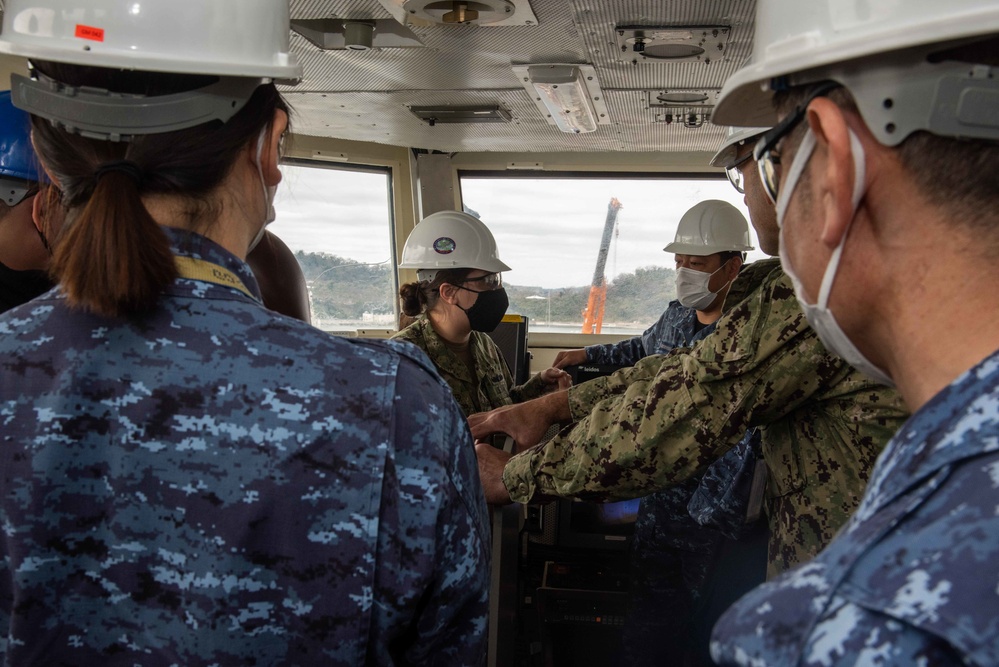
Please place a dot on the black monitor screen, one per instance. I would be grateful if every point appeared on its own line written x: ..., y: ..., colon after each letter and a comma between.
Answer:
x: 596, y: 525
x: 604, y: 518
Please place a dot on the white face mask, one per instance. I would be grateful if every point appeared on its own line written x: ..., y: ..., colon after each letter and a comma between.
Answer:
x: 819, y: 316
x: 692, y: 287
x: 269, y: 192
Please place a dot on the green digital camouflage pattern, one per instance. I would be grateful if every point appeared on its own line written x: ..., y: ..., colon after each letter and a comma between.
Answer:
x: 668, y: 417
x: 493, y: 385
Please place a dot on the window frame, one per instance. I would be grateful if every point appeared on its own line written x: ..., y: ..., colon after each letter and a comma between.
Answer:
x: 390, y: 171
x: 566, y: 340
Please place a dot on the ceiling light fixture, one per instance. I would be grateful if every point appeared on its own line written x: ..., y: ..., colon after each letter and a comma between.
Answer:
x: 570, y: 95
x: 470, y: 114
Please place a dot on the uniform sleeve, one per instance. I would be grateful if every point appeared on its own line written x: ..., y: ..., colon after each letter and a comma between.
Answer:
x: 849, y: 635
x: 669, y: 417
x: 531, y: 389
x: 444, y: 524
x: 846, y: 635
x: 622, y: 353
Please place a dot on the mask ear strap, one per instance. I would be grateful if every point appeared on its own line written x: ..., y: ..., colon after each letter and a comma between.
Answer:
x: 787, y: 185
x: 859, y: 173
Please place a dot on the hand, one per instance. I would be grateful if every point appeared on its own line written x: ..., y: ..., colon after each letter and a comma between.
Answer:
x: 557, y: 377
x: 570, y: 358
x: 524, y: 422
x: 491, y: 464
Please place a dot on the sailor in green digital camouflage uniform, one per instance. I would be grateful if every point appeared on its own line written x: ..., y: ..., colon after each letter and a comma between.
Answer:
x: 459, y: 295
x: 667, y: 418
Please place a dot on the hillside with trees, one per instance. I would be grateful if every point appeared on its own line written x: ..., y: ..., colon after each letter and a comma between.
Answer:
x: 346, y: 291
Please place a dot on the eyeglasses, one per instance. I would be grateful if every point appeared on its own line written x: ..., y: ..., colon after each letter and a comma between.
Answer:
x: 766, y: 161
x: 489, y: 282
x: 734, y: 173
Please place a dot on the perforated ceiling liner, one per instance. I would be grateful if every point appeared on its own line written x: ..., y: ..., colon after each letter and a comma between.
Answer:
x: 365, y: 95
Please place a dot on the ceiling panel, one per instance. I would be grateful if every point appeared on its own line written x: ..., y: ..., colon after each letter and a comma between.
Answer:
x: 366, y: 95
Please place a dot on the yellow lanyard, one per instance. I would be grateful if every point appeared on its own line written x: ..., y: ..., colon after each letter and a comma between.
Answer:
x: 199, y: 269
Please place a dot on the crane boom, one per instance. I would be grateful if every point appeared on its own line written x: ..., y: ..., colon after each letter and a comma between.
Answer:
x: 593, y: 316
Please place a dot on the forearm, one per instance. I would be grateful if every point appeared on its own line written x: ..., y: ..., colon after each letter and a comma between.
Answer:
x: 629, y: 445
x: 623, y: 353
x: 583, y: 398
x: 531, y: 389
x: 670, y: 417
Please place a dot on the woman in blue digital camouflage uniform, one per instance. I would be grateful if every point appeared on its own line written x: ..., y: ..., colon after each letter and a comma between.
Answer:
x: 458, y: 298
x: 188, y: 477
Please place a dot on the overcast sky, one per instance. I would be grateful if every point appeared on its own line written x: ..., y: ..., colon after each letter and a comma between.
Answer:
x: 548, y: 230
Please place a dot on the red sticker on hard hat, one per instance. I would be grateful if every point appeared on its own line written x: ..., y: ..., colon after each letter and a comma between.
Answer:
x: 444, y: 246
x: 90, y: 32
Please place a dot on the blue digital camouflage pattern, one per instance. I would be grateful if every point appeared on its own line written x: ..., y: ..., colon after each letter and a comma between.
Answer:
x: 676, y: 327
x: 672, y: 555
x: 913, y: 578
x: 722, y: 497
x: 218, y: 484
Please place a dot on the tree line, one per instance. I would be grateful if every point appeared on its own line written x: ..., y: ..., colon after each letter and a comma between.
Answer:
x: 344, y: 289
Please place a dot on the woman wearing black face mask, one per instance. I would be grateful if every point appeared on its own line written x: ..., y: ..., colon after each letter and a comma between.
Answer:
x: 459, y: 295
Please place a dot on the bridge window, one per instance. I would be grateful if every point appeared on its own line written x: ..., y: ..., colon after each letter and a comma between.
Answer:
x: 338, y: 222
x: 552, y: 231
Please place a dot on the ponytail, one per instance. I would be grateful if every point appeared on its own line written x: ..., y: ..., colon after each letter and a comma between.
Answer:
x: 110, y: 268
x: 418, y: 298
x: 413, y: 299
x: 111, y: 257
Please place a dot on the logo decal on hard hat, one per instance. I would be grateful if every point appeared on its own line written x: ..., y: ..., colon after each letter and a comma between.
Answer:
x: 444, y: 245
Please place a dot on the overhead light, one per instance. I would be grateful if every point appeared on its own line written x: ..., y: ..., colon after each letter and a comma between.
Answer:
x: 475, y: 114
x: 570, y: 95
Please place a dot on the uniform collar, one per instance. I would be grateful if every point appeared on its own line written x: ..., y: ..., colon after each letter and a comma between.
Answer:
x: 190, y: 244
x: 958, y: 423
x: 443, y: 357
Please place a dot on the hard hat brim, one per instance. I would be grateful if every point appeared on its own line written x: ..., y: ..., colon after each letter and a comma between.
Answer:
x: 703, y: 251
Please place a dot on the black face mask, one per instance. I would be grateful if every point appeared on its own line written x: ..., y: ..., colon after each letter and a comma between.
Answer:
x: 487, y: 311
x: 17, y: 287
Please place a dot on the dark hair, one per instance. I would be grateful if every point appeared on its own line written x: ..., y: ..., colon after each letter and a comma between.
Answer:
x: 960, y: 176
x: 420, y: 297
x: 112, y: 258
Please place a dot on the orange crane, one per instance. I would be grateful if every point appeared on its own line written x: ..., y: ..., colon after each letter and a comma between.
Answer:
x: 593, y: 316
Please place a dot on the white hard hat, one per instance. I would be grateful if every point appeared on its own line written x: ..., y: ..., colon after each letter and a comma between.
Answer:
x: 734, y: 138
x: 243, y: 42
x: 215, y: 37
x: 881, y: 52
x: 711, y: 226
x: 450, y: 240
